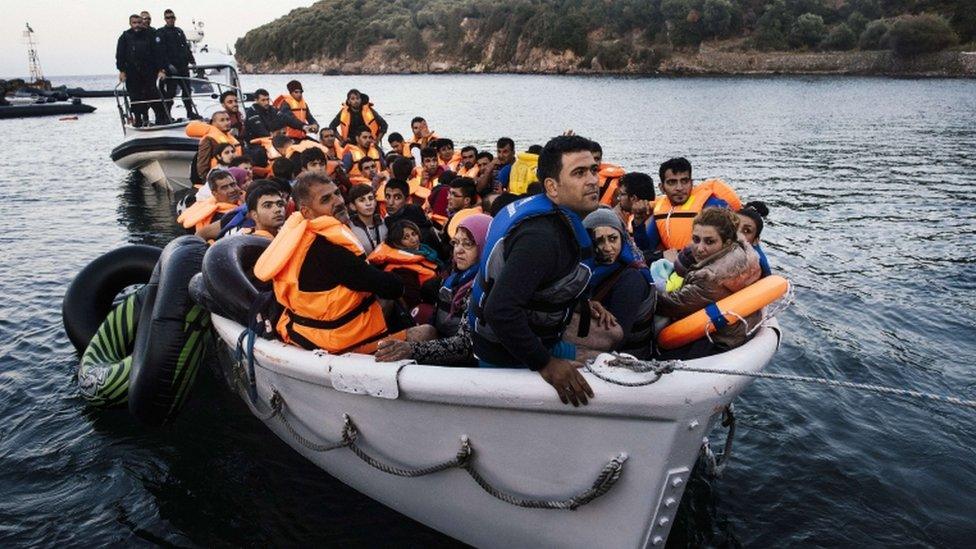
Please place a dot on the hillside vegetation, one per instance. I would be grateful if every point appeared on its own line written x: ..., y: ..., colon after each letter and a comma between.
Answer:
x: 598, y: 35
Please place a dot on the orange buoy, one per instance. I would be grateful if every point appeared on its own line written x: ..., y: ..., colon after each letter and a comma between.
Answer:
x: 725, y: 312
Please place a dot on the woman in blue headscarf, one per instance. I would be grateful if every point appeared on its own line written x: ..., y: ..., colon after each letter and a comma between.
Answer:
x: 621, y: 281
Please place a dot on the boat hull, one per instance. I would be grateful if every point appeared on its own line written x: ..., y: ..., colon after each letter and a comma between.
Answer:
x: 163, y: 155
x: 524, y: 440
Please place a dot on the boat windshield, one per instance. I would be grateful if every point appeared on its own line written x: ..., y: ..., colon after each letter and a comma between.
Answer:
x: 183, y: 98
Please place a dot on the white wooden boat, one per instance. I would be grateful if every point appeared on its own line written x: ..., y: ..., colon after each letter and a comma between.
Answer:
x: 523, y: 442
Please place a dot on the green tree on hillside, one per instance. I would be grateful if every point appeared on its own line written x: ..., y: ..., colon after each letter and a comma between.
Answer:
x: 914, y: 34
x: 807, y: 31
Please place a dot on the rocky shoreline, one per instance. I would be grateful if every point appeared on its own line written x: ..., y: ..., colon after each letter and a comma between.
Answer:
x: 858, y: 63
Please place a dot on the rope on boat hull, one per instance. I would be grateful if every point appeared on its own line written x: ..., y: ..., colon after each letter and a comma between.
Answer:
x: 463, y: 459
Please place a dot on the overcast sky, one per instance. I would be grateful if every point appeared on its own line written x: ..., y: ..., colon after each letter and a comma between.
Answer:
x: 79, y: 37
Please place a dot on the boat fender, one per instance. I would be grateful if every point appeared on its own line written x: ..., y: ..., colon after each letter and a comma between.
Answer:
x: 725, y: 312
x: 170, y: 345
x: 90, y: 295
x: 228, y: 276
x: 103, y: 374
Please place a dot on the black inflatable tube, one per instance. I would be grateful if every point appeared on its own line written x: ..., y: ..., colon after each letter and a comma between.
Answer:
x: 168, y: 327
x: 89, y: 297
x: 228, y: 276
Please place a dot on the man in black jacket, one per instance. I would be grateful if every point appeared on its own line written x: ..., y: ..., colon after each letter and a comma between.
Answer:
x: 138, y: 60
x: 535, y: 276
x: 177, y: 58
x: 262, y: 117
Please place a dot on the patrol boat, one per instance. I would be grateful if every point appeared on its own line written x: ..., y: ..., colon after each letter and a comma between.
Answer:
x: 163, y: 153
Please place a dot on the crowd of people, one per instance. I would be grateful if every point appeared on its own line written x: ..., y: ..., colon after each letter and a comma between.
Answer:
x: 424, y: 250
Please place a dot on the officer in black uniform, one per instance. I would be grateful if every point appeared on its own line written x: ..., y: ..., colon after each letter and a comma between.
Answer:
x: 137, y: 59
x: 177, y: 58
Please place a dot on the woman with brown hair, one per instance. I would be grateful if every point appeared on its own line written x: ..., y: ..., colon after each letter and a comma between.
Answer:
x: 722, y: 264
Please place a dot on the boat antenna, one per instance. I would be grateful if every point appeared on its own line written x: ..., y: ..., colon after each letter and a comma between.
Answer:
x: 35, y: 65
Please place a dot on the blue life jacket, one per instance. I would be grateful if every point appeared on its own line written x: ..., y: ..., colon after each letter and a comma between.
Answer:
x: 763, y: 262
x: 551, y: 307
x: 239, y: 221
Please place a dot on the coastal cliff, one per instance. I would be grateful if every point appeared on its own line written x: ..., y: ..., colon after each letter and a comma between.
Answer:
x: 630, y: 37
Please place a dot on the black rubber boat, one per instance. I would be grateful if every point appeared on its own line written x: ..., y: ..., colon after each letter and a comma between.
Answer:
x: 43, y: 109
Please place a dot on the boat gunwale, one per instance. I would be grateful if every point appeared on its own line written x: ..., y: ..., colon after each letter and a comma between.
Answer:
x: 676, y: 395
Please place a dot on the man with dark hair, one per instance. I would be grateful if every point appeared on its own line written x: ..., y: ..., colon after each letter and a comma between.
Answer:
x: 284, y: 171
x: 422, y: 135
x: 294, y: 111
x: 139, y: 61
x: 505, y: 147
x: 396, y: 142
x: 265, y: 208
x: 328, y: 139
x: 682, y: 200
x: 483, y: 160
x: 462, y: 202
x: 635, y: 196
x: 262, y: 118
x: 362, y: 146
x: 231, y: 104
x: 177, y: 58
x: 313, y: 160
x: 327, y: 289
x: 523, y: 299
x: 468, y: 166
x: 445, y: 154
x: 204, y: 215
x: 218, y: 133
x: 430, y: 170
x: 398, y: 207
x: 357, y: 112
x: 463, y: 194
x: 609, y: 177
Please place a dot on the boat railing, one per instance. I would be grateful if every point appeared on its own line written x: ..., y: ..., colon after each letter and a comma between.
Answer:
x: 188, y: 91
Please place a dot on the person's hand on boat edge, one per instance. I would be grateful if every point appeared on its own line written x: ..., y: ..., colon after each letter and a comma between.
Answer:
x: 569, y: 383
x: 389, y: 350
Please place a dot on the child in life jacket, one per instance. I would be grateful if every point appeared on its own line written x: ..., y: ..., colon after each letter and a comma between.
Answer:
x: 415, y: 263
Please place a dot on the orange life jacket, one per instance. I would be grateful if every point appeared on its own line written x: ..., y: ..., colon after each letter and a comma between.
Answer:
x: 609, y: 178
x: 258, y: 232
x: 299, y: 109
x: 337, y: 320
x: 459, y: 216
x: 202, y: 212
x: 222, y: 137
x: 330, y: 165
x: 369, y: 118
x: 390, y: 259
x: 423, y: 142
x: 358, y: 154
x: 454, y: 162
x: 465, y: 172
x: 674, y: 223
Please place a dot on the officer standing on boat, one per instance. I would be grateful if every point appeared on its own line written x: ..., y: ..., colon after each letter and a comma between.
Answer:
x: 138, y: 61
x: 177, y: 58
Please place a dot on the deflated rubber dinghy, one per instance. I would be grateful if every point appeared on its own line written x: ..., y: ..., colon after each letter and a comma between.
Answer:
x: 103, y: 375
x: 172, y: 335
x: 90, y: 295
x: 226, y: 286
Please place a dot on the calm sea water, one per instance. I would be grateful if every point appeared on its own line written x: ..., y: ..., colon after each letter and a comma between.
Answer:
x: 871, y: 186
